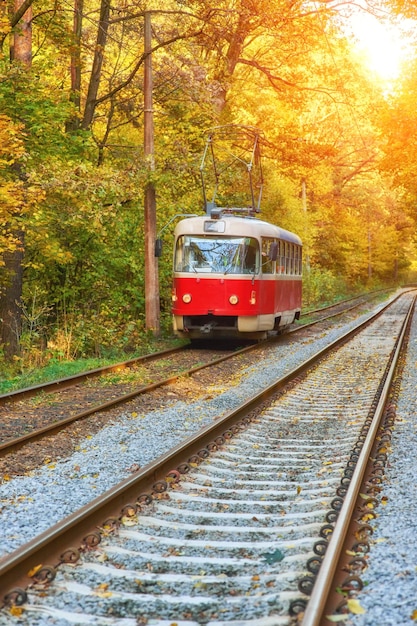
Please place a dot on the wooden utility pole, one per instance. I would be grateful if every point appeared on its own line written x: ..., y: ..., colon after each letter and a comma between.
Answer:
x: 151, y: 261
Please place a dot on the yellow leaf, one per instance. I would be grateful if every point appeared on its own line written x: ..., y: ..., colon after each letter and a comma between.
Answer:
x: 413, y: 615
x: 102, y: 592
x: 6, y: 478
x: 16, y: 611
x: 134, y: 414
x: 34, y: 570
x: 298, y: 489
x: 355, y: 607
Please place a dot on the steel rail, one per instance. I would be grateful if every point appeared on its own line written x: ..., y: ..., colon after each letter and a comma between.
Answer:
x: 69, y: 381
x: 330, y: 306
x: 313, y: 614
x: 323, y: 319
x: 15, y: 444
x: 73, y: 529
x: 12, y: 445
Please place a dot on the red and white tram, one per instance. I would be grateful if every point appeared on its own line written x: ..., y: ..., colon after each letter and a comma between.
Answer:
x: 234, y: 276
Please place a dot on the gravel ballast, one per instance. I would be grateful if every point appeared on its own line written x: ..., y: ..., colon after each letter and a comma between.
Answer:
x: 389, y: 597
x: 32, y: 503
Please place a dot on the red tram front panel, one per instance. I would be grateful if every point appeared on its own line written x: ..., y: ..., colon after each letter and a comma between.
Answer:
x: 234, y: 276
x: 260, y: 300
x: 215, y: 296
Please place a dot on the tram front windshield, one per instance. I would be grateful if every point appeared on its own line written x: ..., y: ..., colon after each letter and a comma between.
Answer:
x: 222, y: 255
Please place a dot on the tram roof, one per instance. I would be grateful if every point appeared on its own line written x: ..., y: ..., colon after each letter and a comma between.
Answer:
x: 233, y: 225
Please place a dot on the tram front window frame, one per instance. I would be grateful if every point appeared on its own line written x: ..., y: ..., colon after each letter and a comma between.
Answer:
x: 218, y: 255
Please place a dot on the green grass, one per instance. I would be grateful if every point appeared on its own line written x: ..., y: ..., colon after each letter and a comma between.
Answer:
x: 54, y: 370
x: 57, y: 368
x: 11, y: 379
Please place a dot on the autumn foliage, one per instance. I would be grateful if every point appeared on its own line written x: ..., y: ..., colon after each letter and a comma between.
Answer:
x: 338, y: 153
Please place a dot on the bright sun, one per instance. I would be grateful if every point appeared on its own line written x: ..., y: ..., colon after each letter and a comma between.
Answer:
x: 385, y: 46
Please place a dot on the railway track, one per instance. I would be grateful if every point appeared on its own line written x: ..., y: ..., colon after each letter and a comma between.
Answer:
x: 71, y: 405
x: 64, y: 402
x: 222, y: 529
x: 55, y: 386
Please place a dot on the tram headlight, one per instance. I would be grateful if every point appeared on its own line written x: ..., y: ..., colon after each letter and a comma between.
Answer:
x: 253, y: 297
x: 186, y: 298
x: 233, y: 299
x: 174, y: 296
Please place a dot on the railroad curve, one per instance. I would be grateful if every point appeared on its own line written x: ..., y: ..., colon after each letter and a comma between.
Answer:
x: 229, y: 540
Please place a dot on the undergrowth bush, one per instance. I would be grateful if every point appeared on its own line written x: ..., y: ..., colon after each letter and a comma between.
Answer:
x: 321, y: 287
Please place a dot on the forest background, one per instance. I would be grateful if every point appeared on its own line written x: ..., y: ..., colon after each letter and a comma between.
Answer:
x: 339, y: 156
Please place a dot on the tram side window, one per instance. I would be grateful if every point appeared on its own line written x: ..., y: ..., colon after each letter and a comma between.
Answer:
x: 288, y: 261
x: 298, y: 260
x: 280, y: 258
x: 179, y: 255
x: 268, y: 266
x: 284, y: 257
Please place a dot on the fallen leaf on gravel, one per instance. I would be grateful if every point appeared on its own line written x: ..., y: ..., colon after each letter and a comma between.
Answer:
x: 355, y: 607
x: 16, y: 611
x: 413, y: 615
x: 134, y: 468
x: 273, y: 557
x: 102, y: 592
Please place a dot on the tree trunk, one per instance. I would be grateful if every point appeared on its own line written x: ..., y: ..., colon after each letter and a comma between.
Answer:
x: 74, y: 123
x: 95, y: 77
x: 21, y: 46
x: 11, y: 293
x: 10, y: 301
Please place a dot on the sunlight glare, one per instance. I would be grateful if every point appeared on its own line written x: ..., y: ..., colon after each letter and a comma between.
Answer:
x: 385, y: 46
